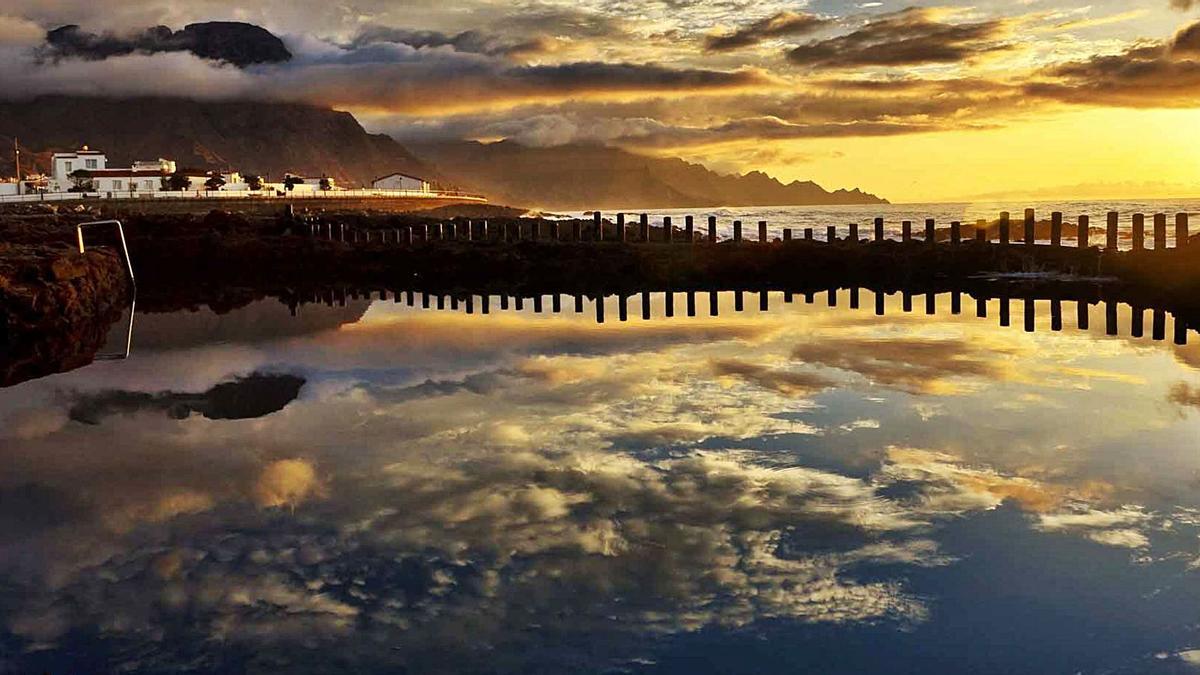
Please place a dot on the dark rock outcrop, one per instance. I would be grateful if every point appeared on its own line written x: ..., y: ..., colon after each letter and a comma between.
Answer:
x: 242, y: 44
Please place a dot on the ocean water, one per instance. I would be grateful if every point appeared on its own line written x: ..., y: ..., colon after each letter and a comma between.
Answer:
x: 819, y: 217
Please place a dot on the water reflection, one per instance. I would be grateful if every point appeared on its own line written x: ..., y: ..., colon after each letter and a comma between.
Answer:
x: 790, y: 486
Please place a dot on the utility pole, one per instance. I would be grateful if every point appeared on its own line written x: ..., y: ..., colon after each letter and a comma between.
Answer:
x: 17, y: 152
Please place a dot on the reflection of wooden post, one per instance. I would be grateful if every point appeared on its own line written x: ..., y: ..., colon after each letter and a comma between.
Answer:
x: 691, y: 303
x: 578, y: 303
x: 738, y: 301
x: 644, y: 225
x: 956, y: 303
x: 1056, y: 322
x: 1137, y: 326
x: 879, y: 229
x: 1159, y: 321
x: 645, y: 305
x: 831, y: 234
x: 762, y: 231
x: 879, y: 303
x: 689, y: 229
x: 787, y: 234
x: 1029, y: 315
x: 1113, y: 218
x: 622, y: 308
x: 713, y: 308
x: 556, y: 303
x: 763, y: 301
x: 1056, y: 220
x: 1181, y: 230
x: 981, y: 307
x: 1110, y: 318
x: 808, y: 234
x: 1139, y: 231
x: 1083, y: 232
x: 1005, y: 317
x: 669, y: 303
x: 955, y: 232
x: 853, y: 233
x: 1081, y: 314
x: 712, y: 229
x: 854, y: 297
x: 621, y: 227
x: 668, y: 231
x: 906, y: 302
x: 930, y: 303
x: 737, y: 231
x: 598, y: 226
x: 599, y: 308
x: 906, y: 231
x: 1181, y: 330
x: 1160, y: 231
x: 1030, y: 226
x: 1004, y: 227
x: 930, y: 231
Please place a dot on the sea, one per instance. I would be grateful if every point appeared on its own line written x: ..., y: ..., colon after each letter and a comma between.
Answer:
x: 819, y: 217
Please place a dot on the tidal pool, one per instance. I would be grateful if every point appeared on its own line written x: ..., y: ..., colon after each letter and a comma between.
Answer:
x: 383, y: 488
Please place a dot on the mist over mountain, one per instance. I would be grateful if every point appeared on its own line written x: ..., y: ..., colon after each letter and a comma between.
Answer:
x: 252, y: 137
x: 597, y: 176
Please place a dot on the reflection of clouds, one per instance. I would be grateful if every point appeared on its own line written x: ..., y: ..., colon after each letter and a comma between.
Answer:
x: 446, y: 490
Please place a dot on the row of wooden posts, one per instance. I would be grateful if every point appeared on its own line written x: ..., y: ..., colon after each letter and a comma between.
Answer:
x: 513, y: 231
x: 441, y: 302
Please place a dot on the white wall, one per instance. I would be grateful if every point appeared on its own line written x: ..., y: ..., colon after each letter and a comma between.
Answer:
x: 399, y: 182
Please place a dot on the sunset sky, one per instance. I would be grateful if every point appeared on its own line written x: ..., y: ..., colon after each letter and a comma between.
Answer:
x: 913, y: 101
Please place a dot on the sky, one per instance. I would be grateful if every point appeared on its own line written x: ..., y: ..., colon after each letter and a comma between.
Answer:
x: 913, y: 101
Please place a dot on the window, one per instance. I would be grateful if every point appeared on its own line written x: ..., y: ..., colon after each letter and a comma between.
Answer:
x: 118, y: 185
x: 90, y: 163
x: 70, y: 167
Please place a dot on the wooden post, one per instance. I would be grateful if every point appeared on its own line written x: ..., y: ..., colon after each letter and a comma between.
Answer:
x: 830, y: 234
x: 1113, y: 218
x: 598, y: 226
x: 621, y: 227
x: 535, y: 230
x: 1004, y: 227
x: 808, y: 234
x: 689, y: 229
x: 576, y: 230
x: 879, y: 229
x: 981, y: 232
x: 1139, y: 231
x: 1160, y: 231
x: 668, y: 231
x: 762, y: 231
x: 955, y: 232
x: 853, y: 233
x: 1030, y: 226
x: 554, y: 230
x: 930, y: 232
x: 1083, y: 234
x: 712, y: 229
x: 644, y: 223
x: 1056, y: 221
x: 1181, y: 230
x: 787, y: 234
x: 906, y: 231
x: 737, y: 230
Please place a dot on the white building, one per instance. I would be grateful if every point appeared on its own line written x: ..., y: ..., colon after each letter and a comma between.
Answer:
x: 143, y: 176
x: 400, y: 181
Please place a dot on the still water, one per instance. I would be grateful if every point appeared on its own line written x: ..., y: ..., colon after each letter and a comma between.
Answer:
x: 379, y: 488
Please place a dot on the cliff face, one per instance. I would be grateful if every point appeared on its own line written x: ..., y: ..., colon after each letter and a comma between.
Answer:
x: 252, y: 137
x: 592, y: 176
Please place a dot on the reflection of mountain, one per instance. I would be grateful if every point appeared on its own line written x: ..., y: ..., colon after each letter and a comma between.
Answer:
x: 260, y: 321
x: 248, y: 397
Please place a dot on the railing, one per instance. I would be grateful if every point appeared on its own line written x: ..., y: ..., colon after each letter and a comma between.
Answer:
x: 241, y: 194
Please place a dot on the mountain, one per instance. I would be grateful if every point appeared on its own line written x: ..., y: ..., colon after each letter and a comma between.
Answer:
x: 241, y: 44
x: 595, y: 176
x: 251, y: 137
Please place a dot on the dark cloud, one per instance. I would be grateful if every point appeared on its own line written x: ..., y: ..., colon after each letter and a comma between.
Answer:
x: 1184, y: 395
x: 1149, y: 74
x: 788, y: 382
x: 248, y: 397
x: 909, y: 37
x: 778, y: 25
x: 1184, y: 5
x: 913, y: 365
x: 471, y: 41
x: 241, y: 44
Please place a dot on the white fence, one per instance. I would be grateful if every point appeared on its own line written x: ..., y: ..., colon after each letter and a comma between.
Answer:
x: 241, y: 194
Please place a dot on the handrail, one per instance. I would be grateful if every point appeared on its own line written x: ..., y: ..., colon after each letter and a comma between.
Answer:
x: 124, y: 247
